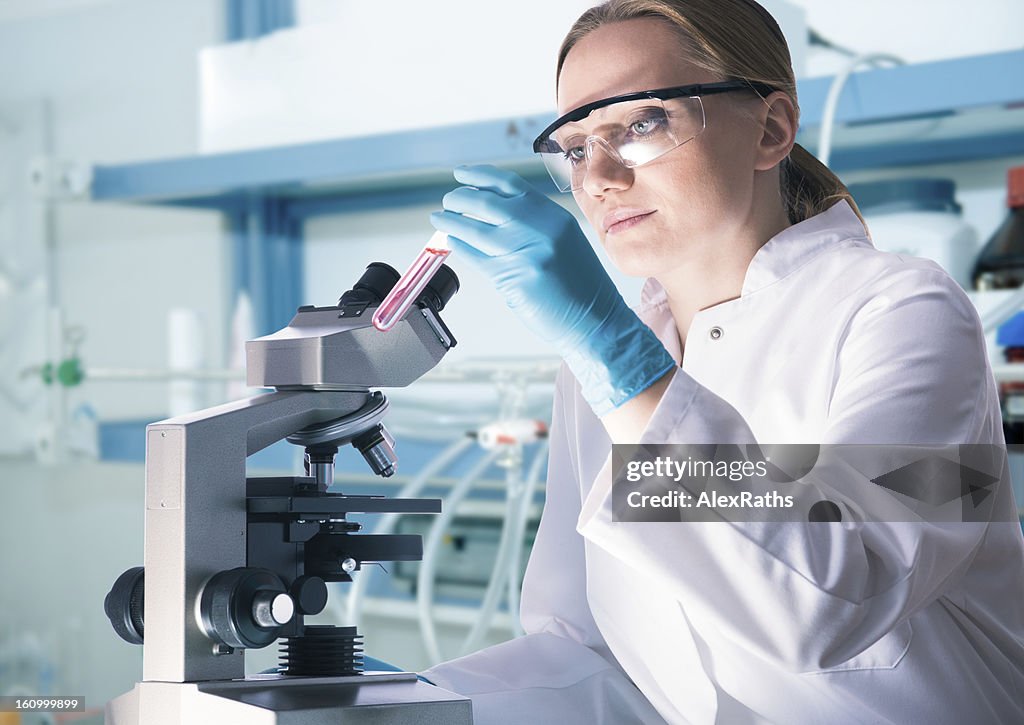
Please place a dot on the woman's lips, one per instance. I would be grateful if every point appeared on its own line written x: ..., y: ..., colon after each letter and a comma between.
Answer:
x: 618, y: 222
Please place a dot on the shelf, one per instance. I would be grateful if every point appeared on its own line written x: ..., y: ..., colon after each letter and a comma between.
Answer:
x: 945, y: 111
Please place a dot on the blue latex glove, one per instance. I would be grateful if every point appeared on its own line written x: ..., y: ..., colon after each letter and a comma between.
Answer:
x: 538, y: 258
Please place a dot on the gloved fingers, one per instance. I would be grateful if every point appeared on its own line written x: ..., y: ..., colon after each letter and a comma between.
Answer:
x: 492, y: 267
x: 482, y: 204
x: 477, y: 234
x: 500, y: 181
x: 462, y: 249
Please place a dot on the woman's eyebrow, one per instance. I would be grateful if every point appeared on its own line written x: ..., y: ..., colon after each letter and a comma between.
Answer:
x: 573, y: 128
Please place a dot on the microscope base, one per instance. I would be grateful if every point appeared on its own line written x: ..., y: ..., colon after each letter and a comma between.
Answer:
x: 379, y: 699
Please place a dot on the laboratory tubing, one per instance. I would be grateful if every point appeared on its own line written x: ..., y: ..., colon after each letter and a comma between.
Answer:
x: 511, y: 432
x: 412, y: 283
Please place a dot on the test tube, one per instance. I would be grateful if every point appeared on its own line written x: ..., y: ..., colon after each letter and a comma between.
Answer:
x: 411, y: 284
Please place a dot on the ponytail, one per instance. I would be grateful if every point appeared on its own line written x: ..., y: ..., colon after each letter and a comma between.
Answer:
x: 809, y: 187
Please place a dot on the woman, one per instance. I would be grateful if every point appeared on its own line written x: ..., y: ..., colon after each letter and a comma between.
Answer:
x: 767, y: 317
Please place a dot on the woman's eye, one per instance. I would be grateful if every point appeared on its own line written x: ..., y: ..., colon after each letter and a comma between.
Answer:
x: 575, y: 154
x: 645, y: 126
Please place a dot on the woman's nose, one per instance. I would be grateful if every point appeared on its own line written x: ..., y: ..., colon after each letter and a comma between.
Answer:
x: 605, y: 170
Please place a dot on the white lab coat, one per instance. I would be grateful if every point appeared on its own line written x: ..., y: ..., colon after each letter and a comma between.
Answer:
x: 831, y: 341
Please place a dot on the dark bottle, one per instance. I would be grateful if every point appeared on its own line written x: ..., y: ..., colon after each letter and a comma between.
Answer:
x: 1001, y: 263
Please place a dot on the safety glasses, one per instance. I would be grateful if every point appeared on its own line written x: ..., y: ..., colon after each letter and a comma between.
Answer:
x: 634, y: 129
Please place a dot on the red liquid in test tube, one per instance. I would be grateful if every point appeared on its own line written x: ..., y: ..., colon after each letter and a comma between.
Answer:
x: 411, y: 284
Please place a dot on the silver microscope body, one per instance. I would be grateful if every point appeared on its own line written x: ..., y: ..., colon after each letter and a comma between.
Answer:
x: 233, y: 563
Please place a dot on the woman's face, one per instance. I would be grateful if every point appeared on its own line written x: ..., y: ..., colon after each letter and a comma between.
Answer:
x: 691, y: 203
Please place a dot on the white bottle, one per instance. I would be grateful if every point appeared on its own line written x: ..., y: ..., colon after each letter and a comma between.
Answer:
x: 919, y: 218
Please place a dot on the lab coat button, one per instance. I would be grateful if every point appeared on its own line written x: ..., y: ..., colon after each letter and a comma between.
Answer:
x: 715, y: 333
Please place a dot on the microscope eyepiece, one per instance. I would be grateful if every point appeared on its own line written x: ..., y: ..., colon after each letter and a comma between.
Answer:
x: 373, y: 286
x: 379, y: 278
x: 441, y: 288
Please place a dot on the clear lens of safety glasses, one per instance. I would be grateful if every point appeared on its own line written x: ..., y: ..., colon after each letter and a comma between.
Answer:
x: 637, y: 131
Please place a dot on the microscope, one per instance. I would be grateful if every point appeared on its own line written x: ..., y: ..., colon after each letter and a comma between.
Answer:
x: 234, y: 563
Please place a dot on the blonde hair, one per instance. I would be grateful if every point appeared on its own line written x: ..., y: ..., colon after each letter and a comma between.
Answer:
x: 733, y: 39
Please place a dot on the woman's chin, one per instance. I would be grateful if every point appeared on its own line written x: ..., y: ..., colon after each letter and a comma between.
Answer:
x: 634, y: 259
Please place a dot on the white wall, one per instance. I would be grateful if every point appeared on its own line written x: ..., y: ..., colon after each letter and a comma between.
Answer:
x: 71, y: 530
x: 918, y: 30
x: 913, y: 30
x: 119, y: 77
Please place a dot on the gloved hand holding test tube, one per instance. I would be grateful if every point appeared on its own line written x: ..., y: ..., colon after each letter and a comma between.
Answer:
x: 412, y: 283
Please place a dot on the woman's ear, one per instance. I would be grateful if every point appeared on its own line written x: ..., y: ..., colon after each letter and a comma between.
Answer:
x: 779, y: 132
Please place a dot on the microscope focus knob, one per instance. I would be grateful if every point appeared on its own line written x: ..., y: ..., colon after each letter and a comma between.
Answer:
x: 124, y: 605
x: 309, y: 594
x: 272, y: 609
x: 242, y: 608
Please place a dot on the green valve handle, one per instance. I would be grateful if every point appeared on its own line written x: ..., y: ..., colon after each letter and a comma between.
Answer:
x: 68, y: 373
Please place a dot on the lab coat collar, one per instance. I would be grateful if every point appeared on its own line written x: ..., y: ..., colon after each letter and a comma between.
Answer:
x: 786, y: 252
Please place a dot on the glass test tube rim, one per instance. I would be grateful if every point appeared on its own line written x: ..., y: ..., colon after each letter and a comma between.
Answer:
x: 409, y: 286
